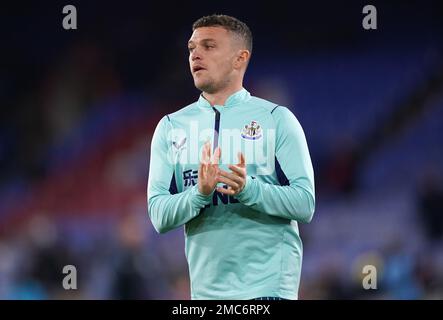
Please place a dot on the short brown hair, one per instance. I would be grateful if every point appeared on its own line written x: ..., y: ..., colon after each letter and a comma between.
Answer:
x: 229, y: 23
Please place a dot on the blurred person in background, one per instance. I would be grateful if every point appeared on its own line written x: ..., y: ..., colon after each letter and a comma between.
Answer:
x: 430, y: 205
x: 241, y: 220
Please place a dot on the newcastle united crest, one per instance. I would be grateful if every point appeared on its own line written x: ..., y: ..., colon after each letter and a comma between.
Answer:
x: 252, y: 131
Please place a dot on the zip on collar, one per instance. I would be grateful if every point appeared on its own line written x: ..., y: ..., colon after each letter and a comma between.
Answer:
x: 233, y: 100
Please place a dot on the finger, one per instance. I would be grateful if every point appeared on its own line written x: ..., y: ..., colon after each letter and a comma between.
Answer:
x: 206, y: 153
x: 202, y: 171
x: 230, y: 176
x: 217, y: 155
x: 241, y: 159
x: 226, y: 191
x: 239, y: 171
x: 203, y: 156
x: 208, y: 146
x: 228, y: 182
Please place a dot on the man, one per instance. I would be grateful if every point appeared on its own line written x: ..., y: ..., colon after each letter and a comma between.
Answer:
x: 241, y: 232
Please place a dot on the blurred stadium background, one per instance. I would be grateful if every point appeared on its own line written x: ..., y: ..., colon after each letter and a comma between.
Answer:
x: 78, y: 109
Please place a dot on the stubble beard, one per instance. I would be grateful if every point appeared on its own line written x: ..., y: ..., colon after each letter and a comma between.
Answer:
x: 208, y: 86
x: 211, y: 86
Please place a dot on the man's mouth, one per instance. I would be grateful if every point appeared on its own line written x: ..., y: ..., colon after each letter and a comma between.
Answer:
x: 197, y: 68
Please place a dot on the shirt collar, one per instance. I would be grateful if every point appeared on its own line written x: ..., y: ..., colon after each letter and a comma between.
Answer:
x: 234, y: 99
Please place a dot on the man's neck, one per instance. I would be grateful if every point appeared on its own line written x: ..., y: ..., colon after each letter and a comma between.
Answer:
x: 219, y: 98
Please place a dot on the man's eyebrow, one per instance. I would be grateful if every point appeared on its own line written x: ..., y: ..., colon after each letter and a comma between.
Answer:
x: 207, y: 40
x: 202, y: 40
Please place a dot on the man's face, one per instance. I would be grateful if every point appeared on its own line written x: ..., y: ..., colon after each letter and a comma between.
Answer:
x: 212, y: 53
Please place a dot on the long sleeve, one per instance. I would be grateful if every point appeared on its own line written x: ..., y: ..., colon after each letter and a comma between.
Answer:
x: 295, y: 198
x: 166, y: 209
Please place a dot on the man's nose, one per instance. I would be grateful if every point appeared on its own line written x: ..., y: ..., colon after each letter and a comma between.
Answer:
x: 195, y: 54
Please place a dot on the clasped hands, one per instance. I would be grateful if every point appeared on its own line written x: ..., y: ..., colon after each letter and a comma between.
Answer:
x: 209, y: 173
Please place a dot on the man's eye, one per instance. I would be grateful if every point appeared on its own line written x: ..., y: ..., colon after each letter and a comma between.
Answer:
x: 190, y: 49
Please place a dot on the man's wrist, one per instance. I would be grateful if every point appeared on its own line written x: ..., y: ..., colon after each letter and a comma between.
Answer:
x: 202, y: 199
x: 244, y: 193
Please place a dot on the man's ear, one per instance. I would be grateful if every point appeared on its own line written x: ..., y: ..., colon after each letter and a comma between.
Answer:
x: 241, y: 59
